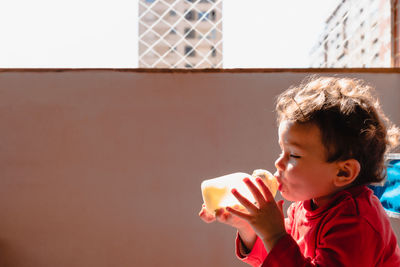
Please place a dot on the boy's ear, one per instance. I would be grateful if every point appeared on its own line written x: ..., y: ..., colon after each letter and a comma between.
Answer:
x: 348, y: 171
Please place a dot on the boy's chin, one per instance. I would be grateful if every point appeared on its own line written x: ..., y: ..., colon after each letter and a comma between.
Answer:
x: 289, y: 197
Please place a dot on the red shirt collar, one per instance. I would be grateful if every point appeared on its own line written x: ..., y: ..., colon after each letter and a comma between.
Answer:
x: 350, y: 192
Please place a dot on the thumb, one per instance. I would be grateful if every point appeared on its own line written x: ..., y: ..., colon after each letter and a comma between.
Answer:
x: 280, y: 205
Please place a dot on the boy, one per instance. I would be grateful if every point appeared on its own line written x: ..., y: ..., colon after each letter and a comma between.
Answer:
x: 333, y: 136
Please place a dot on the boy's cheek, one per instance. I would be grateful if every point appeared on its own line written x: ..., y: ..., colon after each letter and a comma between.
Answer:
x: 291, y: 176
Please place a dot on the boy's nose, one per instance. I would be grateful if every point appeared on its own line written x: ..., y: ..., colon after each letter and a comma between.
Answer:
x: 279, y: 163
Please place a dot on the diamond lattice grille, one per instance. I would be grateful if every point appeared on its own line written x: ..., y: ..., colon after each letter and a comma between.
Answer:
x: 180, y: 33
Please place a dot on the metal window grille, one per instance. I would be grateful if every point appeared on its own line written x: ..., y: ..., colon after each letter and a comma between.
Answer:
x: 180, y: 33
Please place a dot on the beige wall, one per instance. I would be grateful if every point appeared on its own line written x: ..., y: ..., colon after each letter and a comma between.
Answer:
x: 103, y: 168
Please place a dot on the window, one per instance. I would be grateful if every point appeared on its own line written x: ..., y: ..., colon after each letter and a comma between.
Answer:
x: 190, y: 33
x: 203, y: 15
x: 212, y: 35
x: 190, y: 15
x: 189, y: 51
x: 213, y: 51
x: 190, y: 30
x: 213, y: 15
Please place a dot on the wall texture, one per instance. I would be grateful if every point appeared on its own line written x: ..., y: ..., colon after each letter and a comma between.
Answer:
x: 103, y: 167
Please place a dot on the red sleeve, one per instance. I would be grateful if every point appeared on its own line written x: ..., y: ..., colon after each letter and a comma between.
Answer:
x: 347, y: 242
x: 258, y: 253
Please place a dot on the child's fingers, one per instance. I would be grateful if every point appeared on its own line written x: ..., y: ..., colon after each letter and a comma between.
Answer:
x: 254, y: 190
x: 219, y: 212
x: 239, y: 214
x: 244, y: 201
x: 267, y: 193
x: 221, y: 215
x: 206, y: 216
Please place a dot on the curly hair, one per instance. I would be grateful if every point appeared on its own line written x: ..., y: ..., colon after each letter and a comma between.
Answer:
x: 350, y: 119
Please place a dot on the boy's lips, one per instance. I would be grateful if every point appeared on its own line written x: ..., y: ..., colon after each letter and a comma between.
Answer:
x: 279, y: 180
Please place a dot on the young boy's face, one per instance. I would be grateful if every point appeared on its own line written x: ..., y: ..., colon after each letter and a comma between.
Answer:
x: 302, y: 170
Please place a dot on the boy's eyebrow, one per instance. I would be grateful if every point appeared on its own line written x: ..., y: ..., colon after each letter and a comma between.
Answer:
x: 298, y: 145
x: 292, y: 143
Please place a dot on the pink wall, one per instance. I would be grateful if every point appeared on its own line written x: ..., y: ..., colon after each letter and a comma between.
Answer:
x: 103, y: 168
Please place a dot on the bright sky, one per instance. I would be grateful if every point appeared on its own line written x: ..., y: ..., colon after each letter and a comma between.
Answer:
x: 103, y: 34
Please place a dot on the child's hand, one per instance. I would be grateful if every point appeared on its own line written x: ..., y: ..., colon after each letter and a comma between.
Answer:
x: 226, y: 217
x: 246, y: 232
x: 205, y: 215
x: 266, y: 218
x: 223, y: 216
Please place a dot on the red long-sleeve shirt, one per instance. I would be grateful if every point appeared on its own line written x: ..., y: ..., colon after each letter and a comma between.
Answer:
x: 351, y: 230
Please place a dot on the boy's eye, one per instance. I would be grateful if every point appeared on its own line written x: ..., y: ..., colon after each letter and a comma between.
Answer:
x: 294, y: 156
